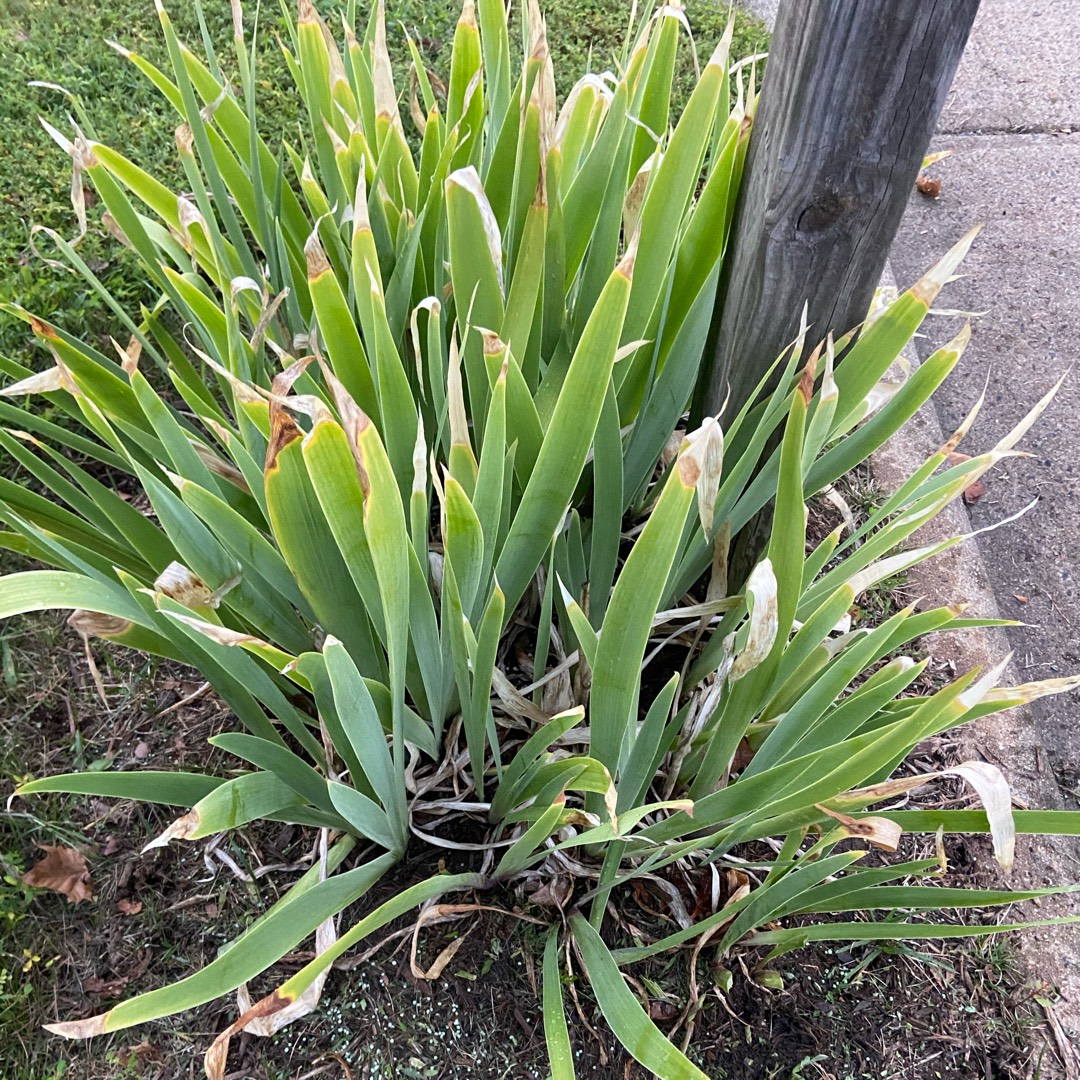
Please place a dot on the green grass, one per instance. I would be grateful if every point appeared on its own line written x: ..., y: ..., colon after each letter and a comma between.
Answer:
x: 63, y: 42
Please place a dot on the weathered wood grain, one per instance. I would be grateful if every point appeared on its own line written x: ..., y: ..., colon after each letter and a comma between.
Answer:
x: 851, y: 96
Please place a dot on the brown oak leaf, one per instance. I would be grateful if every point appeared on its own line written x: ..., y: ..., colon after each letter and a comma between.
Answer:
x: 664, y: 1011
x: 63, y: 870
x: 974, y: 492
x: 137, y: 1057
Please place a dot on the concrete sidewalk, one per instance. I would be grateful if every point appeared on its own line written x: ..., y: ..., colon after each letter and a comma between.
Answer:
x: 1013, y: 122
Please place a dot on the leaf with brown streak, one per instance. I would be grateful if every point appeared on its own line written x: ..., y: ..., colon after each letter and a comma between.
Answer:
x: 879, y: 831
x: 806, y: 382
x: 283, y: 431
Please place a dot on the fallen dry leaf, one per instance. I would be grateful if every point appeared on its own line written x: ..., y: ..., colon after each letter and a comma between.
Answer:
x: 137, y: 1057
x: 553, y: 893
x: 140, y: 967
x: 744, y: 754
x: 107, y: 988
x: 63, y: 870
x: 1021, y: 597
x: 930, y: 188
x: 973, y: 492
x: 129, y: 907
x: 662, y: 1011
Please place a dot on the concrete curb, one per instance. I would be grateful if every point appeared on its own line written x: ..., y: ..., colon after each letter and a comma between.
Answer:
x: 1051, y: 954
x: 959, y: 575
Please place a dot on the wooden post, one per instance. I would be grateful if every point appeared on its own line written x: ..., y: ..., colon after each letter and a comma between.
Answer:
x: 851, y: 96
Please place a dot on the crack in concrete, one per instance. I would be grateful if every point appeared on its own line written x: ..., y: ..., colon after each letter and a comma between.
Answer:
x: 1029, y: 129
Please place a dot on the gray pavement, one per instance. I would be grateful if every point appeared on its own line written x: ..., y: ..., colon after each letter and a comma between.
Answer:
x: 1020, y: 71
x: 1024, y: 271
x: 1013, y: 122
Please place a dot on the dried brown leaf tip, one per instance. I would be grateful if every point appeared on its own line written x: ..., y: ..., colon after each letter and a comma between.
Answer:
x: 183, y: 828
x: 806, y: 382
x: 43, y: 382
x: 94, y: 624
x: 185, y: 139
x: 382, y: 74
x: 62, y: 870
x: 931, y: 283
x: 626, y: 264
x: 700, y: 466
x: 179, y: 583
x: 129, y: 357
x: 881, y: 832
x: 315, y: 256
x: 43, y: 329
x: 237, y: 19
x: 80, y: 1029
x: 493, y: 344
x: 283, y: 430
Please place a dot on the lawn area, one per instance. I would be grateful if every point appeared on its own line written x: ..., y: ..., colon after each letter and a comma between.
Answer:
x: 64, y: 43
